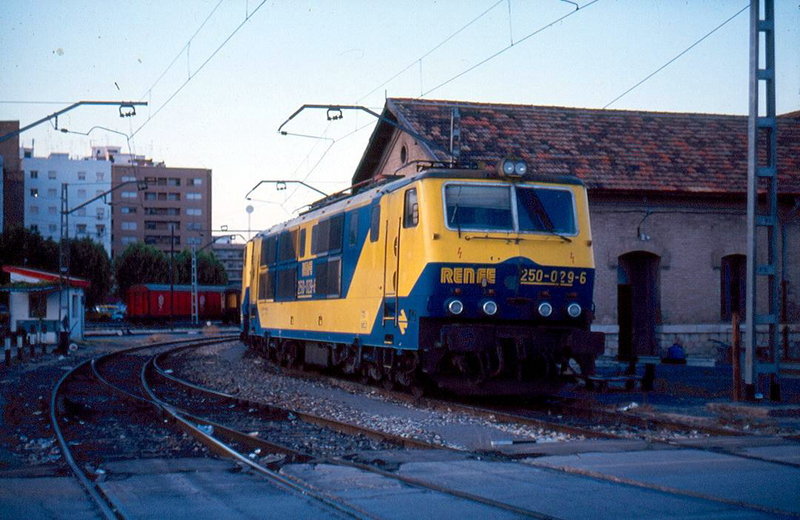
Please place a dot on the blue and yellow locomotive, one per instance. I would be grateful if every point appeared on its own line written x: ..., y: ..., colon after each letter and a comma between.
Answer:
x: 473, y: 280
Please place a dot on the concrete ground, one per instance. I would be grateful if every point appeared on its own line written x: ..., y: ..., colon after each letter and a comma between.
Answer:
x: 700, y: 389
x: 598, y: 479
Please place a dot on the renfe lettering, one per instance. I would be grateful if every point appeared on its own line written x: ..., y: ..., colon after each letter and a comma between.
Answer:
x: 467, y: 275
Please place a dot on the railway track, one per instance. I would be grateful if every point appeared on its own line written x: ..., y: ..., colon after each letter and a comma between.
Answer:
x: 500, y: 415
x: 272, y: 442
x: 82, y: 415
x: 257, y: 445
x: 574, y: 418
x: 261, y: 438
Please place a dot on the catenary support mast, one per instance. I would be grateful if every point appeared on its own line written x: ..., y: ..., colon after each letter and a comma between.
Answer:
x: 762, y: 215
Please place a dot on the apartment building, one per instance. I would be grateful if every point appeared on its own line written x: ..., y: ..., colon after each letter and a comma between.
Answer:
x: 168, y: 208
x: 231, y: 256
x: 59, y: 183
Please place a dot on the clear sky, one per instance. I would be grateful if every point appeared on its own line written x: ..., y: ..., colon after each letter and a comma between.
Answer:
x: 218, y: 105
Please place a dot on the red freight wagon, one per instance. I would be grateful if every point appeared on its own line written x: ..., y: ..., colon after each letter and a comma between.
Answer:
x: 153, y: 301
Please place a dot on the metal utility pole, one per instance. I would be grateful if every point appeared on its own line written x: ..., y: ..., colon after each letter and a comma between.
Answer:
x: 172, y: 275
x: 63, y: 253
x: 64, y: 245
x: 762, y: 219
x: 195, y: 313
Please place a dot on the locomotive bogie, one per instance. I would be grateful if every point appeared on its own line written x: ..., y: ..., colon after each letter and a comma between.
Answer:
x: 448, y: 275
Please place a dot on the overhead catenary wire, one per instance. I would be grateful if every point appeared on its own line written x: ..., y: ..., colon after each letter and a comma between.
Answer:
x: 678, y: 56
x: 200, y: 68
x: 418, y: 61
x: 507, y: 47
x: 184, y: 48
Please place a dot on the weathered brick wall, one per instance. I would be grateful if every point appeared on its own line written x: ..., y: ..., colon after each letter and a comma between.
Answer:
x: 691, y: 240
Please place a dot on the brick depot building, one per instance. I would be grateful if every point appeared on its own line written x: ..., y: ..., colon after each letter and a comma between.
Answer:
x: 667, y: 196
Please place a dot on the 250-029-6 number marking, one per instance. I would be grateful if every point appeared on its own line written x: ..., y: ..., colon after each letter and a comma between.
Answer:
x: 552, y: 277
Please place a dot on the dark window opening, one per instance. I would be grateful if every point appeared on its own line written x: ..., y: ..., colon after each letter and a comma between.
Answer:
x: 287, y: 284
x: 411, y: 209
x: 733, y: 284
x: 328, y: 278
x: 268, y: 251
x: 327, y: 235
x: 266, y: 281
x: 286, y: 246
x: 37, y: 305
x: 375, y: 223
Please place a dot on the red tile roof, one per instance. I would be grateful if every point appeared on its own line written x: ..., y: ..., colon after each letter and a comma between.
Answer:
x: 608, y: 149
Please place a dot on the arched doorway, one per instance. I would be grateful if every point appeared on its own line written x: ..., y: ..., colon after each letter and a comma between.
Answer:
x: 638, y: 304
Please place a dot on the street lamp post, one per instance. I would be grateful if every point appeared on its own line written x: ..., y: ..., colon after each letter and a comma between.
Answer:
x: 249, y: 210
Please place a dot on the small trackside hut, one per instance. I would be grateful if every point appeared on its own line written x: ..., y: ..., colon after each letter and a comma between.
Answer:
x: 44, y: 306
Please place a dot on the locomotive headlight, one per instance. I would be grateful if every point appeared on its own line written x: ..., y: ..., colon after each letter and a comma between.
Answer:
x: 455, y: 307
x: 545, y: 309
x: 513, y: 167
x: 489, y: 308
x: 574, y: 310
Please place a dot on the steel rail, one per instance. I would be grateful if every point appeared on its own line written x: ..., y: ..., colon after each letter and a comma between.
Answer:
x: 220, y: 447
x: 103, y: 503
x: 225, y: 450
x: 628, y: 419
x: 637, y: 420
x: 339, y: 426
x: 100, y: 499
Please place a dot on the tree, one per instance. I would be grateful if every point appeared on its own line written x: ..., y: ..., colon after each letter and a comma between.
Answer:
x: 89, y: 260
x: 210, y: 270
x: 140, y: 263
x: 22, y: 247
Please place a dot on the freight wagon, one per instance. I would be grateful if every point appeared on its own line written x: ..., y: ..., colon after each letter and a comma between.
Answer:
x: 153, y: 302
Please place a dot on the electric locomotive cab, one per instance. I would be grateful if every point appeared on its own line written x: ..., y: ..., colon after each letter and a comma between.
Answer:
x: 508, y: 280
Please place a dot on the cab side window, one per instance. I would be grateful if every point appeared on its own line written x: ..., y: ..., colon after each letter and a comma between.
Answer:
x: 410, y: 209
x: 375, y: 223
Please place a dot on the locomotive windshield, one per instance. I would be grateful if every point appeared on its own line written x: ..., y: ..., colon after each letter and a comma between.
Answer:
x: 527, y: 209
